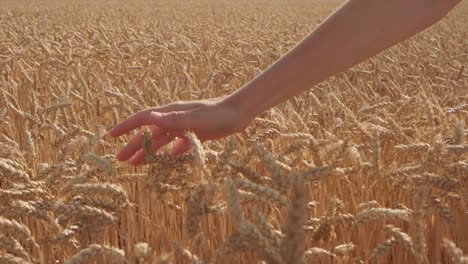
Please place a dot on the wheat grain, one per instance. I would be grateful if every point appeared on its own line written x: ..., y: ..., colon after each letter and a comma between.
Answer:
x: 314, y: 252
x: 382, y: 248
x: 455, y: 254
x: 94, y: 250
x: 16, y: 229
x: 344, y: 248
x: 262, y: 193
x: 382, y: 213
x: 14, y: 247
x: 11, y: 259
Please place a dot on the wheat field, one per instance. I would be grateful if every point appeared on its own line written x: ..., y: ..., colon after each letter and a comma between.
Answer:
x: 370, y: 166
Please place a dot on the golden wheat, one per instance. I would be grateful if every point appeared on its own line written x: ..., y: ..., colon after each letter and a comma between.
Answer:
x: 370, y: 165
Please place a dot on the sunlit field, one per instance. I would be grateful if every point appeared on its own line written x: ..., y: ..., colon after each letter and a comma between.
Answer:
x: 370, y: 166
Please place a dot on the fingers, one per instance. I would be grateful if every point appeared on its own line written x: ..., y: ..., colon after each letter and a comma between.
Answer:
x: 181, y: 145
x: 135, y: 121
x: 155, y: 146
x: 146, y: 117
x: 134, y: 144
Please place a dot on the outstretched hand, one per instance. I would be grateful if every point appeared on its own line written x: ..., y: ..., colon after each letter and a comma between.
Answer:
x: 208, y: 119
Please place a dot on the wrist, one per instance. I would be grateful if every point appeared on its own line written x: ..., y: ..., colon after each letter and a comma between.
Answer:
x: 240, y: 105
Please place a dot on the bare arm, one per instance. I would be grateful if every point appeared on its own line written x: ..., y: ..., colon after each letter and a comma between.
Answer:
x: 357, y: 31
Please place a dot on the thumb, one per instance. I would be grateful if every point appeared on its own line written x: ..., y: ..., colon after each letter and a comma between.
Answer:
x: 173, y: 121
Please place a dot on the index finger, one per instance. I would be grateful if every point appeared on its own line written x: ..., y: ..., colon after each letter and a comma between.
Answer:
x: 143, y: 118
x: 134, y: 121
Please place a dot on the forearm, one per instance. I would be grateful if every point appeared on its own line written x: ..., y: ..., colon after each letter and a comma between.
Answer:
x: 357, y: 31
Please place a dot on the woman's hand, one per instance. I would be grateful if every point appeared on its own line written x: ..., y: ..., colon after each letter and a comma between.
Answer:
x: 208, y: 119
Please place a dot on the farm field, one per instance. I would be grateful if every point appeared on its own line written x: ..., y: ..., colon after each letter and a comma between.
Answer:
x: 370, y: 166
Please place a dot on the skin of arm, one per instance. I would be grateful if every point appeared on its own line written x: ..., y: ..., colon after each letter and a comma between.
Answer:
x: 358, y: 30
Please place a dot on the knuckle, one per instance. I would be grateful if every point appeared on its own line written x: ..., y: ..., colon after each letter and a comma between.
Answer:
x: 174, y: 116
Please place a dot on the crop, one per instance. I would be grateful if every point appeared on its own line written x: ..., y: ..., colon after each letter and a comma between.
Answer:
x: 368, y: 166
